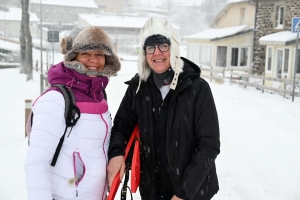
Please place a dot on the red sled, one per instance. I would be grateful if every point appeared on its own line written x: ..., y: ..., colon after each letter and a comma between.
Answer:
x: 135, y: 166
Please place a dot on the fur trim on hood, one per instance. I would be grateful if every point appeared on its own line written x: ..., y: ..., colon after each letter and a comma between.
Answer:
x: 155, y: 26
x: 89, y: 39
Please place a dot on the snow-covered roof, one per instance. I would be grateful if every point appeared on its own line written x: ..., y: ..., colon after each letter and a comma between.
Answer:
x: 235, y: 1
x: 9, y: 46
x: 218, y: 33
x: 113, y: 21
x: 278, y: 38
x: 189, y: 2
x: 68, y: 3
x: 15, y: 14
x: 116, y: 21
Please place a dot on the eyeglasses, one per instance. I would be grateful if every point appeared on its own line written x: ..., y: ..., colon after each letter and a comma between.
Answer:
x: 151, y: 49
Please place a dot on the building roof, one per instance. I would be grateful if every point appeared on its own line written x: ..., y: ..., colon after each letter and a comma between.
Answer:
x: 214, y: 34
x: 284, y: 38
x: 68, y: 3
x: 235, y: 1
x: 15, y: 14
x: 9, y: 46
x: 114, y: 21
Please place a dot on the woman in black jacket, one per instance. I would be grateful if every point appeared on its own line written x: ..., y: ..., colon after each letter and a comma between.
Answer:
x: 177, y: 118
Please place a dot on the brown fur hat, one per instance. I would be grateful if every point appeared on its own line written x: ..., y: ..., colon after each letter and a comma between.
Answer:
x: 89, y: 39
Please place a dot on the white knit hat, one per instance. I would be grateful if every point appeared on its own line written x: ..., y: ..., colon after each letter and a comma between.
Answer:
x: 89, y: 39
x: 159, y: 26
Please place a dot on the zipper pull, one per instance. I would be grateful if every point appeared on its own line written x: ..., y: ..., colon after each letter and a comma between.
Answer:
x: 76, y: 193
x: 159, y: 110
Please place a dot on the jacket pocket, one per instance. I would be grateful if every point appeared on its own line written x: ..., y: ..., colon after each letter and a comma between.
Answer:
x: 79, y: 170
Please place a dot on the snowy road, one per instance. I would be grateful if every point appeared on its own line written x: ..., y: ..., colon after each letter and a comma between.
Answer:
x: 260, y: 138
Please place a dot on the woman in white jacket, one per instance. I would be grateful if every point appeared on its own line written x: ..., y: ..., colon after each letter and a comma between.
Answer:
x: 80, y: 170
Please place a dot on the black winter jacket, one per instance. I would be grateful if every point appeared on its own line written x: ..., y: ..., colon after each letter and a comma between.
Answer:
x: 192, y: 135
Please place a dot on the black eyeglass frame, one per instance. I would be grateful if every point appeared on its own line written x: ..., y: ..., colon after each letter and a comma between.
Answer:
x: 159, y: 47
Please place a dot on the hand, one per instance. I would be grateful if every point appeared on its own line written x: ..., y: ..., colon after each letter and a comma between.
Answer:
x: 175, y: 198
x: 115, y: 165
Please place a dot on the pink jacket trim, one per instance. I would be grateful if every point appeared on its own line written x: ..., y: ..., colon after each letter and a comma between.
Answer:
x: 93, y: 107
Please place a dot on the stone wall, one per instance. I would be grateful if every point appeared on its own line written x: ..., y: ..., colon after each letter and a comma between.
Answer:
x: 266, y: 24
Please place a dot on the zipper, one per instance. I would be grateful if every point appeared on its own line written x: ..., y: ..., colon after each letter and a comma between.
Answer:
x: 104, y: 152
x: 169, y: 121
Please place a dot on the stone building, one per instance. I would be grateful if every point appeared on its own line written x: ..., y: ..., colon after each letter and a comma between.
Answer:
x: 274, y: 44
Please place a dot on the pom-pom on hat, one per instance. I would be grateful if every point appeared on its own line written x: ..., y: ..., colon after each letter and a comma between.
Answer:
x: 89, y: 39
x: 159, y: 26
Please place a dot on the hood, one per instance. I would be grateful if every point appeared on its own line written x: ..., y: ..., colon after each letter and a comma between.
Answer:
x: 86, y: 89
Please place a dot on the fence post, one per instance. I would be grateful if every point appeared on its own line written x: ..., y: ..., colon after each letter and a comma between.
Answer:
x: 284, y: 87
x: 230, y: 77
x: 27, y: 111
x: 263, y: 82
x: 36, y: 66
x: 46, y: 79
x: 41, y: 83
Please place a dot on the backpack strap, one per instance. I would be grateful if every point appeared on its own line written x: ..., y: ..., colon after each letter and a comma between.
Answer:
x: 104, y: 94
x: 70, y: 116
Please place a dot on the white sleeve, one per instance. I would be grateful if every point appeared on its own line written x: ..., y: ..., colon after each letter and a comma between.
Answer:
x: 47, y: 128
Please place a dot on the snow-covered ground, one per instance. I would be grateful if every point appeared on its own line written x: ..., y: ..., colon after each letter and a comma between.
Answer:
x: 260, y: 137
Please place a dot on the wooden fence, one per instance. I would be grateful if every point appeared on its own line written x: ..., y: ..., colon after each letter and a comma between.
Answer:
x: 258, y: 81
x: 219, y: 74
x: 213, y: 74
x: 9, y: 65
x: 243, y: 76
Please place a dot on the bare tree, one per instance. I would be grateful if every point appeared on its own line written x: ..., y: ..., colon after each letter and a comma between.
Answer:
x: 25, y: 31
x: 22, y: 42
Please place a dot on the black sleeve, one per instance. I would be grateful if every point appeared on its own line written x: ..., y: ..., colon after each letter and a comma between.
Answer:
x: 123, y: 124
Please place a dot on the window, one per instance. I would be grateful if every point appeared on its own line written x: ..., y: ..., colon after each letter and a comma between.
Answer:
x: 234, y: 57
x: 239, y: 57
x: 279, y: 17
x: 242, y: 16
x: 282, y: 62
x: 221, y: 56
x: 205, y: 55
x: 286, y: 60
x: 244, y: 57
x: 279, y: 63
x: 270, y: 58
x: 280, y: 14
x: 193, y: 53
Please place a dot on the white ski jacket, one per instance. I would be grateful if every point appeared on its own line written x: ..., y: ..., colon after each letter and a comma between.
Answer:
x: 83, y: 154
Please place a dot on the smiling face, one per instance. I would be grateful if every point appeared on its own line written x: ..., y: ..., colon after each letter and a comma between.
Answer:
x: 93, y: 60
x: 159, y: 61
